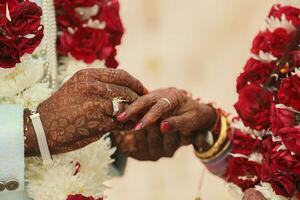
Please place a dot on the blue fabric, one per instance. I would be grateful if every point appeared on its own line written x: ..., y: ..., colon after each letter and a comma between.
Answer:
x: 12, y: 164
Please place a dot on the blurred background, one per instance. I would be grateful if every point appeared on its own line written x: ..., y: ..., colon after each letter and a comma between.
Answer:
x: 198, y: 45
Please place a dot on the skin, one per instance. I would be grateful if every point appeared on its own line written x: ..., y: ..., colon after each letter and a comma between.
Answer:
x: 252, y: 194
x: 163, y: 128
x: 80, y: 112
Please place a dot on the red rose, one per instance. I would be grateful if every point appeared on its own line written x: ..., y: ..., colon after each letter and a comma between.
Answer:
x: 289, y: 92
x: 291, y: 139
x: 9, y: 53
x: 3, y: 18
x: 244, y: 143
x: 284, y: 185
x: 271, y: 42
x: 78, y: 3
x: 281, y: 118
x: 291, y: 13
x: 89, y: 44
x: 110, y: 15
x: 255, y: 72
x: 81, y: 197
x: 28, y: 45
x: 66, y: 16
x: 25, y: 19
x: 243, y: 172
x: 254, y: 107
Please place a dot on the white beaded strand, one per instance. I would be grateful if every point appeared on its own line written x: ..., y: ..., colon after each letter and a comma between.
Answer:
x: 50, y: 32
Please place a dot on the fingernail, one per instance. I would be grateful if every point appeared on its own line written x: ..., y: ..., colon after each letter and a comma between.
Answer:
x: 165, y: 126
x: 139, y: 126
x: 122, y: 116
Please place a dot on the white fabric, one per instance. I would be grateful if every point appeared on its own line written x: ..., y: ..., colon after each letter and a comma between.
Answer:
x: 11, y: 147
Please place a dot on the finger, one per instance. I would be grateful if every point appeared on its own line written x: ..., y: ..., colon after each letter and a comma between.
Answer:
x: 170, y: 143
x: 137, y: 107
x: 125, y: 141
x: 142, y: 150
x: 110, y: 91
x: 157, y: 111
x: 119, y: 77
x: 111, y: 108
x: 185, y: 124
x: 185, y: 140
x: 155, y: 143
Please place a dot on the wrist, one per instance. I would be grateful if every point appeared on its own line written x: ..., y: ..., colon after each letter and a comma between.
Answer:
x: 31, y: 145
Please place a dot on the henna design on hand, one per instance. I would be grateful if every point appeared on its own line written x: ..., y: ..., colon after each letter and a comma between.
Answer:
x: 80, y: 112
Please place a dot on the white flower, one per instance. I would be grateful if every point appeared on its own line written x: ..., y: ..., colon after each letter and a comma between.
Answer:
x: 96, y: 24
x: 87, y: 12
x: 256, y: 157
x: 238, y: 124
x: 268, y: 192
x: 264, y: 57
x: 69, y: 66
x: 32, y: 97
x: 23, y: 76
x: 235, y: 191
x: 56, y: 180
x: 274, y: 23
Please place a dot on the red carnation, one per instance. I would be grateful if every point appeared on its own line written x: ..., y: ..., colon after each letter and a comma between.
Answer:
x: 255, y: 72
x: 244, y: 143
x: 81, y: 197
x: 271, y: 42
x: 281, y: 118
x: 291, y: 139
x: 291, y: 13
x: 89, y: 44
x: 20, y: 35
x: 9, y: 53
x: 243, y: 172
x: 3, y: 18
x: 25, y: 19
x: 254, y: 107
x: 110, y: 15
x: 284, y: 185
x: 277, y: 171
x: 289, y: 92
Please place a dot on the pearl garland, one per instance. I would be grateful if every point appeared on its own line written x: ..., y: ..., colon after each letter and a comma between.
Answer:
x: 50, y: 32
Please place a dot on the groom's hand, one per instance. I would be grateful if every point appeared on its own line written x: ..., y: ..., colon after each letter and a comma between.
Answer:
x: 81, y: 111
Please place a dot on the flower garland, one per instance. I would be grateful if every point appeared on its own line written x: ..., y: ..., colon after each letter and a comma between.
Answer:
x: 266, y: 145
x: 88, y: 34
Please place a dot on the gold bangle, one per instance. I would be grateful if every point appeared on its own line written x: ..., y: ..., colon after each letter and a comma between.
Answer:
x: 217, y: 147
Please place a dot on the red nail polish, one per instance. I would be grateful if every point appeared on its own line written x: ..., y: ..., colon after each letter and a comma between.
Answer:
x: 139, y: 126
x: 165, y: 126
x: 122, y: 116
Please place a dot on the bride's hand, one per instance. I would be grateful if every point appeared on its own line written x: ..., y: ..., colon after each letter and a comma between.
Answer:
x: 149, y: 144
x: 173, y: 108
x: 81, y: 110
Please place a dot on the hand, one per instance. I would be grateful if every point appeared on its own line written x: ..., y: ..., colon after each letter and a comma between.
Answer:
x: 149, y: 144
x: 164, y: 128
x: 80, y: 112
x: 252, y: 194
x: 174, y: 107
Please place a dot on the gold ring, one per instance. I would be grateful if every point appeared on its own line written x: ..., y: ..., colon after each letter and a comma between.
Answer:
x: 168, y: 101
